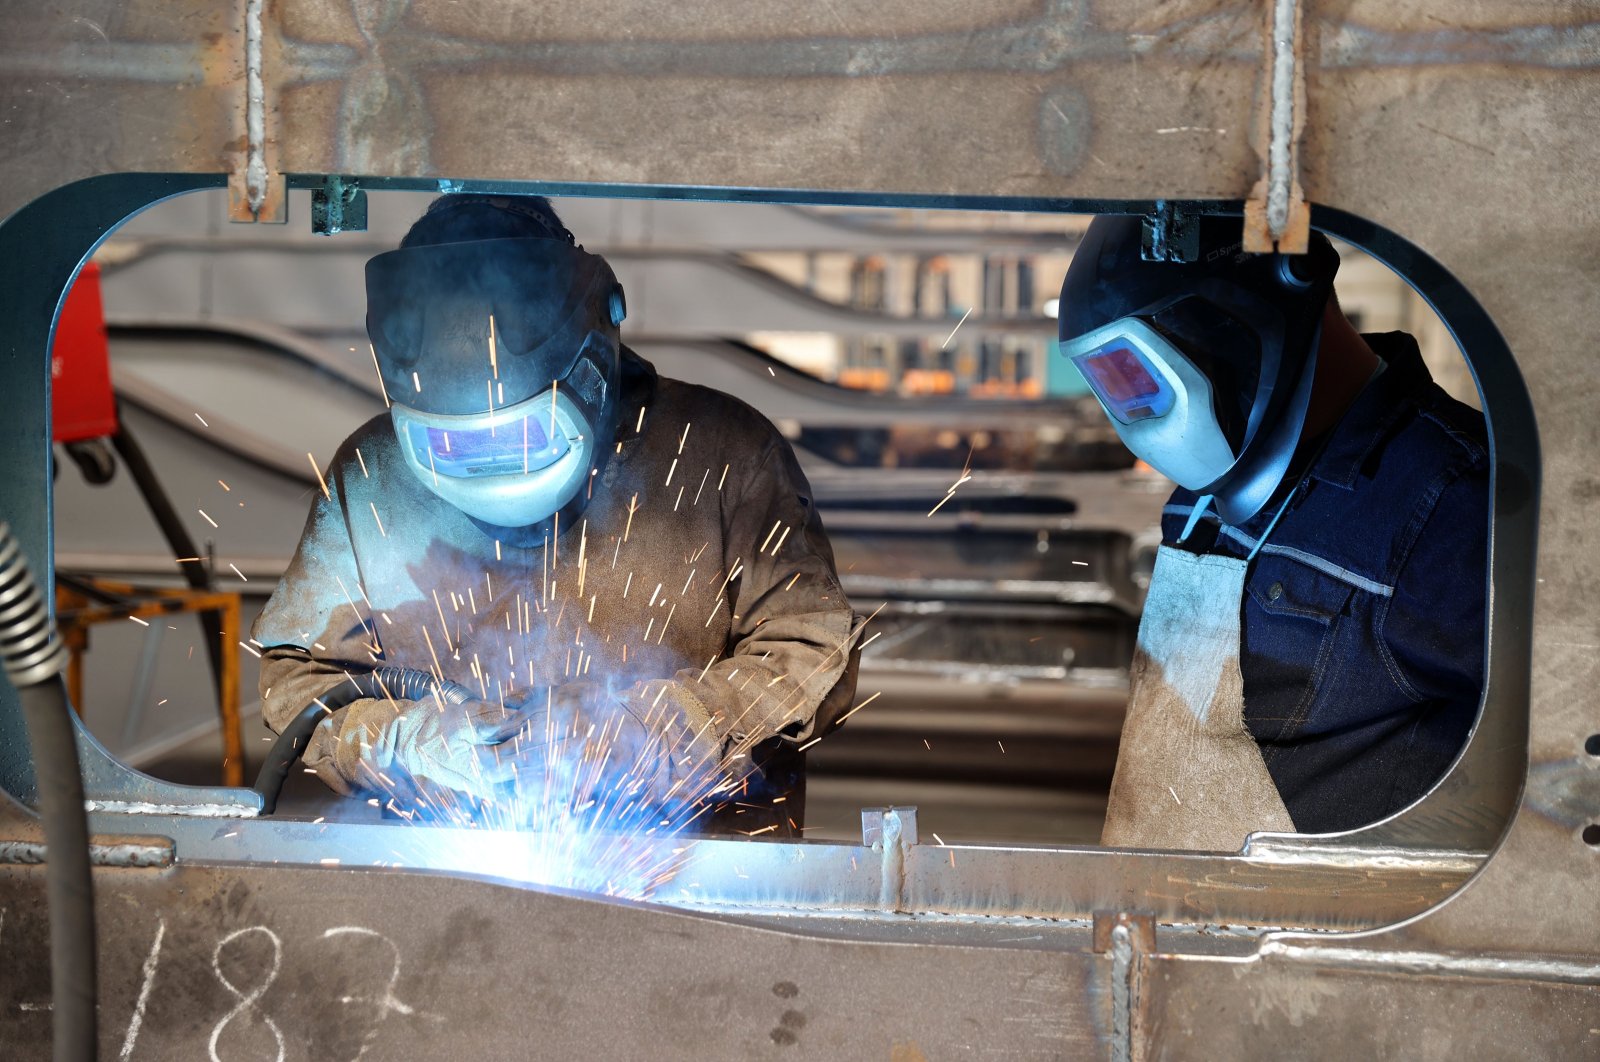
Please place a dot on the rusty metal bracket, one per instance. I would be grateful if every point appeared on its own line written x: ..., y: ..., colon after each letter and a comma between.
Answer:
x: 1130, y: 938
x: 256, y: 188
x: 1276, y: 216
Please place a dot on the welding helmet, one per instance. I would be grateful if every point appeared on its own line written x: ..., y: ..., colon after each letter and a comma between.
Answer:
x: 501, y: 361
x: 1204, y: 367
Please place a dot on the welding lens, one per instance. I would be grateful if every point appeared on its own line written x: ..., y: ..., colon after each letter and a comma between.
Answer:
x: 1127, y: 383
x: 509, y: 442
x: 1158, y: 399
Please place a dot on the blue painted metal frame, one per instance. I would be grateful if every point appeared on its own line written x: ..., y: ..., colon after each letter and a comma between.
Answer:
x: 43, y: 245
x: 1479, y: 796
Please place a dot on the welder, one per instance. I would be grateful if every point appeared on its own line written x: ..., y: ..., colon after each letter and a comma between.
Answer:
x: 1311, y: 653
x: 623, y: 570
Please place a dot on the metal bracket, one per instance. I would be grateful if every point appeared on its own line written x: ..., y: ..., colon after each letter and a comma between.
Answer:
x: 1170, y: 235
x: 890, y: 832
x: 339, y: 205
x: 1276, y: 216
x: 257, y: 190
x: 1129, y: 938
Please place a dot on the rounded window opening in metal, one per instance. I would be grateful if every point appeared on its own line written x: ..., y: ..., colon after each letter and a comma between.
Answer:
x: 935, y: 328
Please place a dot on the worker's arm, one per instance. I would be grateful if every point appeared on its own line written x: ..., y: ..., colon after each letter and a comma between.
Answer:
x: 790, y: 667
x: 291, y: 677
x: 313, y: 633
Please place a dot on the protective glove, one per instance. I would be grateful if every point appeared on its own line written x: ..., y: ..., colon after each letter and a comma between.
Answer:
x: 452, y: 745
x: 644, y: 746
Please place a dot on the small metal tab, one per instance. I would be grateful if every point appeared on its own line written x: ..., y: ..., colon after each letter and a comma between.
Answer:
x: 1170, y: 235
x: 872, y: 825
x: 340, y: 205
x: 890, y: 832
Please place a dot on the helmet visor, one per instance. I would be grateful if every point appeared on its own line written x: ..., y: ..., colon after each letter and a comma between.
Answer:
x: 517, y: 440
x: 1122, y: 364
x: 1158, y: 400
x: 1130, y: 388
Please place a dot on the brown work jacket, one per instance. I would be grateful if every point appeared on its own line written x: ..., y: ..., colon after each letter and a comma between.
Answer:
x: 699, y: 559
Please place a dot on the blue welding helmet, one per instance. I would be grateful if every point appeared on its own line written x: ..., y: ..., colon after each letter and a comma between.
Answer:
x: 501, y: 361
x: 1205, y: 367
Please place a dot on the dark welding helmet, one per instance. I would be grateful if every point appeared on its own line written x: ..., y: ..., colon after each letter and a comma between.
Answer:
x: 501, y: 362
x: 1204, y: 367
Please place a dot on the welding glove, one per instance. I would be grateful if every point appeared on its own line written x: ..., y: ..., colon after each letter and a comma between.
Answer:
x: 650, y: 745
x: 452, y: 745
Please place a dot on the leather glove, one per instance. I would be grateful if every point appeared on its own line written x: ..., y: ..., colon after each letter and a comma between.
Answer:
x: 584, y: 742
x: 452, y: 745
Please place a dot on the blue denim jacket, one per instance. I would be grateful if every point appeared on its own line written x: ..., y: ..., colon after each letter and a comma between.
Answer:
x: 1363, y: 614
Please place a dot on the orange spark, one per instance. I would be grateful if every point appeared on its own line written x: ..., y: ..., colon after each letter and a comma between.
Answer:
x: 381, y: 388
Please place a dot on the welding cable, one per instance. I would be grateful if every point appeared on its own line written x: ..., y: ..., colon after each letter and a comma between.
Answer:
x: 33, y: 656
x: 177, y: 536
x: 386, y: 683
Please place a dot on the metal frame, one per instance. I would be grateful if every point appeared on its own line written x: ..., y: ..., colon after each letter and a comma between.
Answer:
x: 76, y: 613
x: 1443, y: 132
x: 1464, y: 814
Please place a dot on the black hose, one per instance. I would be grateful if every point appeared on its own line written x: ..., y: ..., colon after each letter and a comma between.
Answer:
x: 33, y: 656
x: 177, y: 536
x: 389, y: 683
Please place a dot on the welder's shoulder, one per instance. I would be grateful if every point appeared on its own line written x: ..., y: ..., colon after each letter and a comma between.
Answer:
x: 368, y: 453
x: 1443, y: 433
x: 1435, y: 460
x: 734, y: 423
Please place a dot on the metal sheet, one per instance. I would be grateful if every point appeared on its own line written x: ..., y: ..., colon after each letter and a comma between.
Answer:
x: 302, y: 963
x: 1471, y: 136
x: 1284, y: 886
x: 1278, y: 1008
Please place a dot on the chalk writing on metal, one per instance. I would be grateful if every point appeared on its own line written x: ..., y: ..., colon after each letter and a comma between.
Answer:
x: 247, y: 1000
x: 149, y: 972
x: 387, y: 1001
x: 379, y: 1002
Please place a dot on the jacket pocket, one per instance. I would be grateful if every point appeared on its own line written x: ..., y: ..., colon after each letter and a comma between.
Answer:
x: 1292, y: 622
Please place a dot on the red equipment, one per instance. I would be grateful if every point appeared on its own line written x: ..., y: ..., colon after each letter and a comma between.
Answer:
x: 82, y: 405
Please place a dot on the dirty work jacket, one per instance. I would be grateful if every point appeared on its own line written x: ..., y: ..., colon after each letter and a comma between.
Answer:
x: 1363, y: 615
x: 700, y: 559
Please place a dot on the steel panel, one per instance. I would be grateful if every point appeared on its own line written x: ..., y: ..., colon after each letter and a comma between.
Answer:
x: 341, y: 966
x: 1468, y: 135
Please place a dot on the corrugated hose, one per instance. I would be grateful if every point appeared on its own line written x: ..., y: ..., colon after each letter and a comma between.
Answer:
x: 33, y: 657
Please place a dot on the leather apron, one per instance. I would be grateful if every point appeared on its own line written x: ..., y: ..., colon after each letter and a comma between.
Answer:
x: 1189, y: 774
